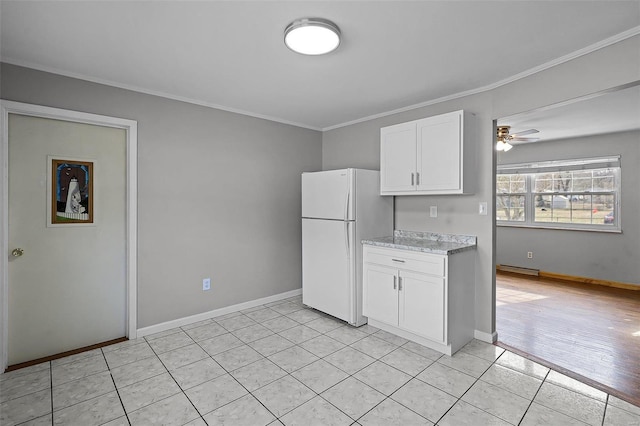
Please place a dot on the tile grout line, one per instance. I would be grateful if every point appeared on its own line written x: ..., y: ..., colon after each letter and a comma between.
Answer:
x: 316, y: 394
x: 115, y: 386
x: 576, y: 392
x: 355, y: 378
x: 323, y: 358
x: 404, y: 384
x: 477, y: 379
x: 173, y: 378
x: 534, y: 396
x: 233, y: 377
x: 606, y: 405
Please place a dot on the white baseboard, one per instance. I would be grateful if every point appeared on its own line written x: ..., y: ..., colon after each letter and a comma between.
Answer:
x: 486, y: 337
x: 445, y: 349
x: 157, y: 328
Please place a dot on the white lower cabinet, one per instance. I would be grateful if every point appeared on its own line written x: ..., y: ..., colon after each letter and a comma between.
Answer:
x: 380, y: 293
x: 410, y: 294
x: 422, y: 305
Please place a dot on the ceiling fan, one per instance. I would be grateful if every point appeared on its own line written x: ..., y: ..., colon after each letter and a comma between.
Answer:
x: 504, y: 137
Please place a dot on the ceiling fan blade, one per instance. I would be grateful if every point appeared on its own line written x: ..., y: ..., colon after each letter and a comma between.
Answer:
x: 524, y: 139
x: 524, y: 132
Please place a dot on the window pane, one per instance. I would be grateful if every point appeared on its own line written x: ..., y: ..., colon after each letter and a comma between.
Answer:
x: 604, y: 207
x: 510, y: 208
x: 604, y: 180
x: 506, y: 184
x: 580, y: 209
x: 543, y: 182
x: 583, y: 181
x: 552, y: 208
x: 562, y: 182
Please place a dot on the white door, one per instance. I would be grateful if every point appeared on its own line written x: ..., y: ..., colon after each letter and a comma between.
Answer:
x: 327, y: 273
x: 422, y: 309
x: 380, y: 294
x: 68, y: 288
x: 398, y: 157
x: 329, y: 194
x: 439, y: 152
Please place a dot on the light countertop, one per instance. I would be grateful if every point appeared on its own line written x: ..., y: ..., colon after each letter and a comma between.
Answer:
x: 425, y: 242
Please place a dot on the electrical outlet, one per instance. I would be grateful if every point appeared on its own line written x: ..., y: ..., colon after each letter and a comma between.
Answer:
x: 433, y: 211
x: 206, y: 284
x: 529, y: 255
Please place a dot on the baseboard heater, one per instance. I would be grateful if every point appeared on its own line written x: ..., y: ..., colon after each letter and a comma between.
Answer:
x: 519, y: 270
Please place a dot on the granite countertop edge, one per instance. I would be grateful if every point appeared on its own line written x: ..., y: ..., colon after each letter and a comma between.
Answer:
x: 425, y: 242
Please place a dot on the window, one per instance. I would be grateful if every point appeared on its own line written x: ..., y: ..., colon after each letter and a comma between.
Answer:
x: 571, y: 194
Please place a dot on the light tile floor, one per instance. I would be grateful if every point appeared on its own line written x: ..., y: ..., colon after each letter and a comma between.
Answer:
x: 282, y: 363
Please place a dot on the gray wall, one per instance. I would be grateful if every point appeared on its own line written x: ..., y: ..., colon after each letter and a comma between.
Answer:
x: 236, y: 215
x: 218, y: 194
x: 358, y: 146
x: 601, y: 255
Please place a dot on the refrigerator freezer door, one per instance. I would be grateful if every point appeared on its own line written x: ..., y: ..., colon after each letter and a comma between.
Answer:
x: 328, y: 274
x: 329, y: 195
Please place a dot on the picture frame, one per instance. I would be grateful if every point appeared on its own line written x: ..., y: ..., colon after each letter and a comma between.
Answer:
x: 71, y: 191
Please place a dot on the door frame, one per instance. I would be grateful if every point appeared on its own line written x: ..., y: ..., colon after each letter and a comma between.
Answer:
x: 131, y: 131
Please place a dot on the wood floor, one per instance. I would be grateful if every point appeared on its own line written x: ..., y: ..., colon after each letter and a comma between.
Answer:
x: 586, y: 331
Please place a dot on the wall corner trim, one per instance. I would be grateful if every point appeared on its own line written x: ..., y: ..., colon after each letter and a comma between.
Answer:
x: 486, y: 337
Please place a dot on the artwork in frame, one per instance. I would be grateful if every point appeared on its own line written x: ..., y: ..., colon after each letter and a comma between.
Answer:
x: 71, y: 191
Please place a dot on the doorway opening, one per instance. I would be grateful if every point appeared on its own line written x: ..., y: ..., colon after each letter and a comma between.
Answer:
x: 560, y: 211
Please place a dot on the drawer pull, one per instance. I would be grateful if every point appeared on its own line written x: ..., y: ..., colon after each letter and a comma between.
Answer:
x: 398, y: 260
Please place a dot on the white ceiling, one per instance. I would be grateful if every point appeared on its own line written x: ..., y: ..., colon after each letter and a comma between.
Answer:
x: 601, y: 113
x: 230, y: 54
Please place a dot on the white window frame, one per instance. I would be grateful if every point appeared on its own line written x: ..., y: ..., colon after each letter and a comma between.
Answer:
x: 531, y: 169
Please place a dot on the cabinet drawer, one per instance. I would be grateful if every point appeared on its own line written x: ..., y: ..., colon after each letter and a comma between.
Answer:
x: 425, y: 263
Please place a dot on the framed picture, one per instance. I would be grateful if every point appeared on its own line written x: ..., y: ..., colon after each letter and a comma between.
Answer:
x: 71, y: 186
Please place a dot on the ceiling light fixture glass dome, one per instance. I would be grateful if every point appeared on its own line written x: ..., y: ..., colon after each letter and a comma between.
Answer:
x: 312, y: 36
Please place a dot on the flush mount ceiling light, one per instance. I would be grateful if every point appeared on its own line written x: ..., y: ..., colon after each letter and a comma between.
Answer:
x: 312, y: 36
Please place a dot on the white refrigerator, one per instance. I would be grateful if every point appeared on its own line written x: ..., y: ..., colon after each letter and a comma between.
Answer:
x: 339, y: 209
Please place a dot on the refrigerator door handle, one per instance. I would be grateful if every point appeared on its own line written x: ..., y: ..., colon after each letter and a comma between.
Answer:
x: 346, y: 207
x: 346, y: 239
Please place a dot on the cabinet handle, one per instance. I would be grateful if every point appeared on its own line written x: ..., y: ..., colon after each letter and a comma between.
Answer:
x: 399, y: 283
x: 412, y: 176
x: 398, y: 260
x: 394, y: 282
x: 417, y: 178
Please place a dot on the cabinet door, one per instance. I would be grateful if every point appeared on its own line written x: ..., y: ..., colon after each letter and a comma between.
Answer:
x: 422, y: 305
x: 398, y: 158
x: 380, y: 294
x: 439, y: 153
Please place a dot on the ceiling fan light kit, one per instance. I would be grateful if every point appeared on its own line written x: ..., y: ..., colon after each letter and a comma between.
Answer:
x: 503, y: 146
x: 312, y: 36
x: 504, y: 137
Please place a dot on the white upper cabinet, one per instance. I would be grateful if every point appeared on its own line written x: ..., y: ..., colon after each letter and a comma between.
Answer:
x: 398, y: 158
x: 429, y: 156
